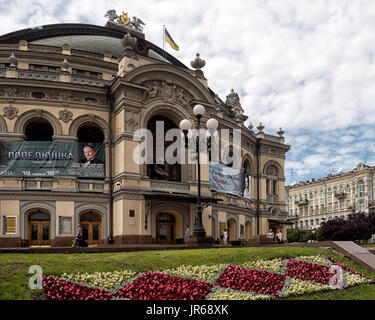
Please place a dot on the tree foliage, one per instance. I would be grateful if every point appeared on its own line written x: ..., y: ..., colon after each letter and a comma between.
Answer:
x: 358, y: 226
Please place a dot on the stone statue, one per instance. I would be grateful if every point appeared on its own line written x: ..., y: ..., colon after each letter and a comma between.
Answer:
x: 112, y: 16
x: 137, y: 24
x: 233, y: 99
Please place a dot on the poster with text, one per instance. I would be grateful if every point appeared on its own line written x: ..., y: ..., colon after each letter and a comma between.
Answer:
x: 52, y: 158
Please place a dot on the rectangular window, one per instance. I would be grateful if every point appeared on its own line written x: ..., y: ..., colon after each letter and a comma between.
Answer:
x: 131, y: 213
x: 9, y: 224
x: 65, y: 225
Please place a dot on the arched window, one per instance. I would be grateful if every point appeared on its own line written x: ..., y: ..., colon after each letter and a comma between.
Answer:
x: 163, y: 171
x: 271, y: 182
x: 90, y: 133
x: 38, y: 129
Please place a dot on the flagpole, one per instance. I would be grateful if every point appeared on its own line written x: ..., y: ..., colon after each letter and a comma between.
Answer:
x: 163, y: 42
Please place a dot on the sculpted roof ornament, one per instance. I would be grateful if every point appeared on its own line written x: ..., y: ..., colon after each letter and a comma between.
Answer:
x: 12, y: 60
x: 124, y: 21
x: 233, y: 99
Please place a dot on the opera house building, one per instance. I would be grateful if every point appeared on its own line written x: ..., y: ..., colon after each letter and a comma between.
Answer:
x: 73, y: 98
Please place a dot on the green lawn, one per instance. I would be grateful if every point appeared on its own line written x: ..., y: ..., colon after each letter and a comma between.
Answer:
x: 14, y: 276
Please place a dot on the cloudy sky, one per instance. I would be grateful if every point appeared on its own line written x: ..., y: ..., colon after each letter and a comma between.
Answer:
x: 306, y: 66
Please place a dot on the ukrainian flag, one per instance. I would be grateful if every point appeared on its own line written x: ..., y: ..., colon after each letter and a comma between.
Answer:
x: 169, y: 39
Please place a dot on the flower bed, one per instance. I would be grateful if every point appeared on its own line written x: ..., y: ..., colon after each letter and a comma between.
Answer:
x: 109, y: 280
x: 308, y: 271
x: 59, y: 289
x: 203, y: 273
x: 159, y: 286
x: 253, y: 280
x: 274, y: 265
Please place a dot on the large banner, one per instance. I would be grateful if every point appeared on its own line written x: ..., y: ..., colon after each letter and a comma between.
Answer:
x: 229, y: 180
x: 51, y: 158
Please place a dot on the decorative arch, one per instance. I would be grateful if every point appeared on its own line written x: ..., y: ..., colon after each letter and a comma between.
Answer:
x: 173, y: 112
x: 248, y: 229
x: 26, y: 207
x: 88, y: 119
x: 237, y: 225
x: 274, y: 211
x: 247, y: 158
x: 181, y: 77
x: 3, y: 125
x: 24, y: 118
x: 101, y: 210
x: 280, y: 171
x: 180, y: 211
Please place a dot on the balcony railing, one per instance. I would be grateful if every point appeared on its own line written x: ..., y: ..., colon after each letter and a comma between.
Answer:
x: 340, y: 194
x: 302, y: 202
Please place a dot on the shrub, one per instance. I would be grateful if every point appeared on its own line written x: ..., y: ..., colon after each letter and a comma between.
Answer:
x: 299, y: 235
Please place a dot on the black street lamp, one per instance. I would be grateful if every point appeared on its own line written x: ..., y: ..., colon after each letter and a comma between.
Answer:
x: 185, y: 125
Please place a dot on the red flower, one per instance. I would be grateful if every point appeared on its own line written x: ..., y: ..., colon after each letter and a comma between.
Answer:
x: 308, y: 271
x: 251, y: 280
x: 159, y: 286
x: 57, y: 289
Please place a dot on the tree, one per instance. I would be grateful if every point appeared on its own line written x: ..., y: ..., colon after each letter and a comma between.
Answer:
x: 358, y: 226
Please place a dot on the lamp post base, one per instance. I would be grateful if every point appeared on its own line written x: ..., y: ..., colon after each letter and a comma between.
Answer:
x: 200, y: 242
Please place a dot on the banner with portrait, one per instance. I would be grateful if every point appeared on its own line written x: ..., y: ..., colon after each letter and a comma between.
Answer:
x: 52, y: 158
x: 229, y: 180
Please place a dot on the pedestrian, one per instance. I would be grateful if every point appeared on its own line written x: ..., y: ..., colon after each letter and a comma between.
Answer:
x: 271, y: 235
x: 187, y: 233
x: 279, y: 236
x: 225, y: 237
x: 78, y: 238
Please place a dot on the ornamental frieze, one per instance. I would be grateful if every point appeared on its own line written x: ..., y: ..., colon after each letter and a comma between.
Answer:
x: 65, y: 96
x: 167, y: 91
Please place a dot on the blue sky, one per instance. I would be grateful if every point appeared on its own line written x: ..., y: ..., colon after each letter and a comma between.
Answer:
x: 306, y: 66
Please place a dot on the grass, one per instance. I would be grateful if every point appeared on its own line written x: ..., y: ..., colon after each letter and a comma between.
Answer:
x: 14, y: 276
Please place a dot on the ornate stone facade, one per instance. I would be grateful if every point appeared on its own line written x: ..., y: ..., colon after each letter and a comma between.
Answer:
x: 336, y: 196
x: 117, y: 94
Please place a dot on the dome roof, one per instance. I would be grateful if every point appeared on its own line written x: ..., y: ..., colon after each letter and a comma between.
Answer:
x: 84, y: 37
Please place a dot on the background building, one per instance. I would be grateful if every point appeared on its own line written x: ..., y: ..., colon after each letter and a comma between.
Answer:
x: 68, y: 85
x: 336, y: 196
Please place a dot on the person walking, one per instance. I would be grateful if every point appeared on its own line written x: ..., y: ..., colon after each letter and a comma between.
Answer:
x: 271, y: 235
x: 225, y: 237
x: 78, y: 238
x: 279, y: 237
x: 187, y: 233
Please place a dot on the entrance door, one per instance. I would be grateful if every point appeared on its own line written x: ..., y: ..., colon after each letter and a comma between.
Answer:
x: 91, y: 227
x: 165, y: 229
x: 39, y: 229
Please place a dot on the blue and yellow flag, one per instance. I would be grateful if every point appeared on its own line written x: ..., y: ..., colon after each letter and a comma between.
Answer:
x: 169, y: 39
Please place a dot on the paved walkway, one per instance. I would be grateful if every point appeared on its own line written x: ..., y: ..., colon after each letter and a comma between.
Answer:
x: 357, y: 253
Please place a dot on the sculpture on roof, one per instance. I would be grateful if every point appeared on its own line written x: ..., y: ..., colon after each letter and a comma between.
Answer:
x: 137, y: 23
x: 233, y: 99
x: 112, y: 16
x: 124, y: 21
